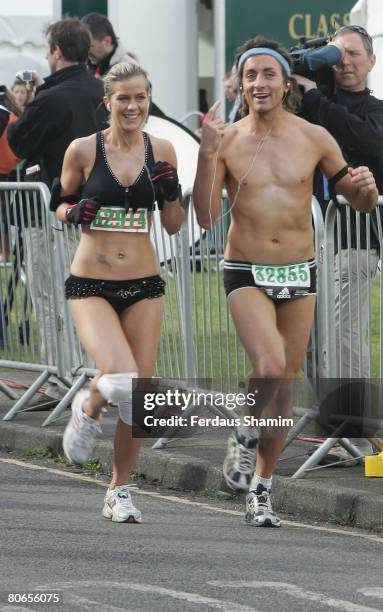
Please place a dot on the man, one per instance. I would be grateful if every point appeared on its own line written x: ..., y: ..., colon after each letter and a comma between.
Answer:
x: 67, y: 105
x: 105, y: 48
x: 267, y: 160
x: 355, y: 119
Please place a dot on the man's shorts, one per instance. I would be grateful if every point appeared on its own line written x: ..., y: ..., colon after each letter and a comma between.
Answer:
x: 279, y: 282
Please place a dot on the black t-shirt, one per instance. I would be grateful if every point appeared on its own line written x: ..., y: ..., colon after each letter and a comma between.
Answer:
x: 355, y: 119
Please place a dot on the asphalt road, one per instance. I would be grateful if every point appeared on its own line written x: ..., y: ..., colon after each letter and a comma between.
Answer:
x: 186, y: 555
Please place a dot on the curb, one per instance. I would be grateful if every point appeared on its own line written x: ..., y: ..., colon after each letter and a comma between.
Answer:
x: 295, y: 497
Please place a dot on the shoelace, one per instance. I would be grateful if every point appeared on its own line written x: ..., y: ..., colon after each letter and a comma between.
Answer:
x: 246, y: 458
x: 261, y: 502
x: 85, y: 425
x: 125, y: 502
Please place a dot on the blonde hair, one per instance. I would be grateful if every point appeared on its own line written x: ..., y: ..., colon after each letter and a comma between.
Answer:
x: 122, y: 72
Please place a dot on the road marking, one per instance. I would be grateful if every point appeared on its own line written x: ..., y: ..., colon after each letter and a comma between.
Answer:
x: 188, y: 502
x: 84, y: 602
x: 372, y: 592
x: 153, y: 589
x: 12, y: 608
x: 295, y: 591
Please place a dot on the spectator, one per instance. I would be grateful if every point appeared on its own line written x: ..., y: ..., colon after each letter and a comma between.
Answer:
x: 9, y: 111
x: 232, y: 94
x: 106, y: 50
x: 21, y: 93
x: 355, y: 118
x: 67, y: 105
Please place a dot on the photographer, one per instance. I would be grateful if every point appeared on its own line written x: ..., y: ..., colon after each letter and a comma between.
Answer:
x: 67, y: 105
x: 355, y: 118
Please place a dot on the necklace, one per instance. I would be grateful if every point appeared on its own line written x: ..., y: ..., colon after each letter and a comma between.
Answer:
x: 260, y: 144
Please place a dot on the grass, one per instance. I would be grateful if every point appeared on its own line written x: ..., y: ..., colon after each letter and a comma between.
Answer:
x: 93, y: 465
x: 216, y: 350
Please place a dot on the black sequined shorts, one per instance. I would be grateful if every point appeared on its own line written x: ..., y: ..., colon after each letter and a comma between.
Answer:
x: 119, y: 294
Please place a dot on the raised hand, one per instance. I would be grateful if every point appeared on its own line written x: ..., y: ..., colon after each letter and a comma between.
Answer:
x: 213, y: 129
x: 165, y: 179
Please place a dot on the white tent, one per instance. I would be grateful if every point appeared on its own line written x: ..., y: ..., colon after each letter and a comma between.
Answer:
x: 369, y: 14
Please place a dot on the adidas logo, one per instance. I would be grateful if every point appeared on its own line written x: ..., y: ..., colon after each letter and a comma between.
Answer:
x: 284, y: 293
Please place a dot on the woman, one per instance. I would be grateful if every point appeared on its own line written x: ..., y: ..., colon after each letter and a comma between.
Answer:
x: 9, y: 111
x: 118, y: 318
x: 21, y: 93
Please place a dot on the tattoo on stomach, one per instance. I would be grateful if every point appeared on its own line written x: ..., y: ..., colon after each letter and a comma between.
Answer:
x: 102, y: 259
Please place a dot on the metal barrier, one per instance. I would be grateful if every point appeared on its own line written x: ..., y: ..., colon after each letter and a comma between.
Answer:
x: 198, y: 339
x: 30, y: 328
x: 212, y: 348
x: 352, y: 326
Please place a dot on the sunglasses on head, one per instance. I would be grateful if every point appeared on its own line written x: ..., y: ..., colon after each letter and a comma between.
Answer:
x: 353, y: 28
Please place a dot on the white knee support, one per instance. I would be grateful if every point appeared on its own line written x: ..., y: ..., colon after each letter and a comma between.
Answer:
x: 116, y: 387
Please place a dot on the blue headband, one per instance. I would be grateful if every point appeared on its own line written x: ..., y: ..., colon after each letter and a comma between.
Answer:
x: 265, y: 51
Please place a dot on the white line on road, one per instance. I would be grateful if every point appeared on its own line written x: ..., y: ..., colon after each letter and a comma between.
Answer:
x: 372, y: 592
x: 91, y: 604
x: 188, y: 502
x: 12, y: 608
x: 153, y: 589
x: 295, y: 591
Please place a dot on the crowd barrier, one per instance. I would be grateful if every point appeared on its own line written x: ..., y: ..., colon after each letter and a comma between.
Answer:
x: 198, y: 339
x: 351, y: 318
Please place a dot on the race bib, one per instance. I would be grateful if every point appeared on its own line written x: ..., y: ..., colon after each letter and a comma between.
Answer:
x: 118, y: 219
x: 294, y: 275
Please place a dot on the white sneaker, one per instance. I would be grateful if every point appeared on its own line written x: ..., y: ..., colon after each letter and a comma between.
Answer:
x: 259, y: 512
x: 238, y: 466
x: 118, y: 506
x: 81, y: 431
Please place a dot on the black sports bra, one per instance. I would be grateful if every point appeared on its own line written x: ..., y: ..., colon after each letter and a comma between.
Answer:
x: 104, y: 184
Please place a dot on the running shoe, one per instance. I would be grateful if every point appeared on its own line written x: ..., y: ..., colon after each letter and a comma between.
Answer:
x: 239, y: 462
x: 81, y: 431
x: 118, y: 506
x: 259, y: 512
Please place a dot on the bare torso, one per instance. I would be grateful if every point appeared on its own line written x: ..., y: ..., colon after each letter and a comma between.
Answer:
x: 271, y: 219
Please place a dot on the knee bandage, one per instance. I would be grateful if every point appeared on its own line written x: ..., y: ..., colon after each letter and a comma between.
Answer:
x: 118, y: 388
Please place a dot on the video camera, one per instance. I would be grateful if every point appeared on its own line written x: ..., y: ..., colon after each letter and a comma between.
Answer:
x: 314, y: 58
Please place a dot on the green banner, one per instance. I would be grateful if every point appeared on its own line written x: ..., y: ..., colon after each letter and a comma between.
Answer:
x: 284, y: 21
x: 79, y: 8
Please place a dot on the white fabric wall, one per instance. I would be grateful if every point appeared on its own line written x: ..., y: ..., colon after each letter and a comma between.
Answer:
x: 369, y: 14
x: 164, y: 35
x: 22, y: 24
x: 374, y: 26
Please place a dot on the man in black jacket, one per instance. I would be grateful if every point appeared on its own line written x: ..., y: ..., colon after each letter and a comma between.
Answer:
x: 355, y: 118
x: 67, y: 105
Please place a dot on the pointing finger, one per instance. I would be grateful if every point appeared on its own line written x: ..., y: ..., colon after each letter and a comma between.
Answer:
x: 211, y: 113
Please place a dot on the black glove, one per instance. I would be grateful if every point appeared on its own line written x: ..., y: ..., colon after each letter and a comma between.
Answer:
x: 84, y: 212
x: 165, y: 180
